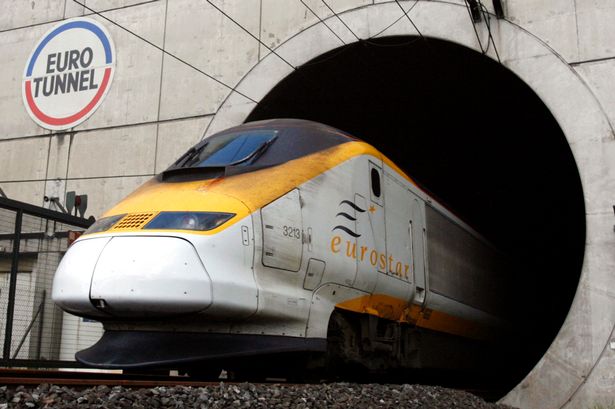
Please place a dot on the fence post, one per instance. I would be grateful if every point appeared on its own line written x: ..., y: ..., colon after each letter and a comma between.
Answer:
x: 41, y: 322
x: 10, y: 310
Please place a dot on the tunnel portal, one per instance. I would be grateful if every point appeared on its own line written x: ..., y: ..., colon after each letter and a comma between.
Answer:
x: 475, y: 136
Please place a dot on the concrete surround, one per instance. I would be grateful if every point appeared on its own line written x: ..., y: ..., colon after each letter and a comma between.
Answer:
x: 157, y: 107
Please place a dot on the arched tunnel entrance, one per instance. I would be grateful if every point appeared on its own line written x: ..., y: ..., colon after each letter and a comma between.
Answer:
x: 475, y: 135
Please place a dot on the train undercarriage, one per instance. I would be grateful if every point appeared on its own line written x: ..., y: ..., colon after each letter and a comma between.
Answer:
x: 359, y: 347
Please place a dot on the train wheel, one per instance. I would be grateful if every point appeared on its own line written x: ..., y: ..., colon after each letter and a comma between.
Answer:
x: 344, y: 359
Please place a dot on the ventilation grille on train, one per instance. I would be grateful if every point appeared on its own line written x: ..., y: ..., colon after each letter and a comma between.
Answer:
x: 134, y: 221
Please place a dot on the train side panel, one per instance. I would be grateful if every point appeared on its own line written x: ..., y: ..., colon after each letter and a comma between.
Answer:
x: 296, y: 264
x: 462, y: 266
x: 339, y: 232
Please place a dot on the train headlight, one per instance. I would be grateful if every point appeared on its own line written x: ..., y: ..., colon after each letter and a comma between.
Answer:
x: 201, y: 221
x: 104, y: 224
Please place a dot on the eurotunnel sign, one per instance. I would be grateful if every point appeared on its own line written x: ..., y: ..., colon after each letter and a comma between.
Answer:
x: 68, y: 73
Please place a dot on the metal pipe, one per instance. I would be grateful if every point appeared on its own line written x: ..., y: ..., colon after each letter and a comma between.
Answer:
x: 498, y: 8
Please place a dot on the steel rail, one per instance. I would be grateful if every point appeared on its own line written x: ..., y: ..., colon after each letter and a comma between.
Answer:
x: 89, y: 379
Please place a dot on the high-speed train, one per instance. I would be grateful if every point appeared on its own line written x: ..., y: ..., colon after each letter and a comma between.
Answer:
x: 283, y: 237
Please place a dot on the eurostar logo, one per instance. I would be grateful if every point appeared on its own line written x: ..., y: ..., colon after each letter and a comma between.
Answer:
x: 364, y: 254
x: 347, y: 216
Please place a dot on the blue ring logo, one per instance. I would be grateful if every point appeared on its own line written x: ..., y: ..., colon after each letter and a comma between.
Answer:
x: 68, y: 74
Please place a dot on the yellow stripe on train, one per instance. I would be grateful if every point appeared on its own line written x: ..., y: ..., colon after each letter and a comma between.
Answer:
x: 391, y: 308
x: 242, y: 194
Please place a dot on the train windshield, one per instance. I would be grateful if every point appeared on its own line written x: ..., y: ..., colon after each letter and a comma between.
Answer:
x: 251, y: 147
x: 228, y: 150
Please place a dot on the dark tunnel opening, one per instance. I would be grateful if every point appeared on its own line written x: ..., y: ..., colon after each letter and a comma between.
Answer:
x: 475, y: 135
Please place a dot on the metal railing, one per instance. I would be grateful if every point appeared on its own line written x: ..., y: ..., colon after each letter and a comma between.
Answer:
x: 35, y: 332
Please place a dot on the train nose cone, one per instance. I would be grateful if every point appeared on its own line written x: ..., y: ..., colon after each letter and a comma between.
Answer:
x: 150, y: 276
x: 131, y: 276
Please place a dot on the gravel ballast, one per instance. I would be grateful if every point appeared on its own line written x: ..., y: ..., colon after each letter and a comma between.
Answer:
x: 247, y: 395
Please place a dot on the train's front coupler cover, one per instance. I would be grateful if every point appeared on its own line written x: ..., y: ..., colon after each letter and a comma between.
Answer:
x: 129, y: 276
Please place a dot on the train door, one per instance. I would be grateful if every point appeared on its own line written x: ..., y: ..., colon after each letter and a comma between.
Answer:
x: 397, y: 276
x: 371, y: 244
x: 398, y: 230
x: 419, y: 255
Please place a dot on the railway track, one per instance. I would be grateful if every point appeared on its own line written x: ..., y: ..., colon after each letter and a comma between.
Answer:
x: 88, y: 379
x: 46, y: 388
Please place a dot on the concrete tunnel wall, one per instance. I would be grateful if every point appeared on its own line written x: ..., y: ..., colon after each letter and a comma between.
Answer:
x: 158, y: 107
